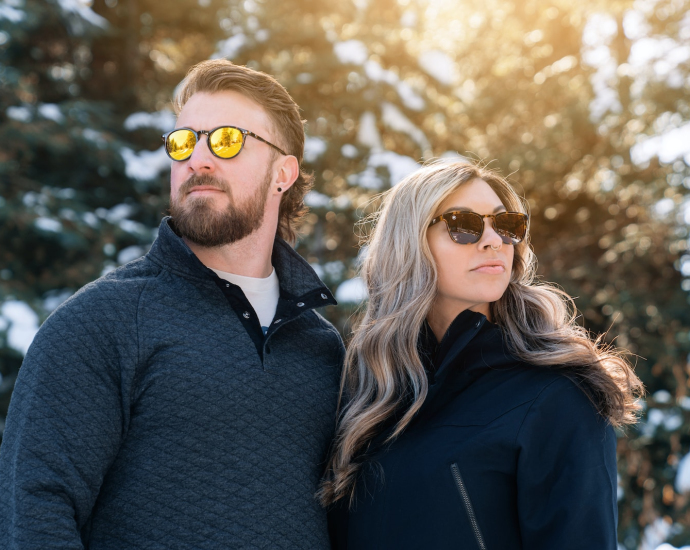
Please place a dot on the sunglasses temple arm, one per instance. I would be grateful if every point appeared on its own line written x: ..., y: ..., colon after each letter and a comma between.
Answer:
x: 267, y: 143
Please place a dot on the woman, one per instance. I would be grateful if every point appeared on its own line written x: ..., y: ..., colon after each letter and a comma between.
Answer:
x: 478, y: 413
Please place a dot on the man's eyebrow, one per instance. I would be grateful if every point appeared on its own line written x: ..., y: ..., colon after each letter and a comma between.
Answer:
x: 498, y: 209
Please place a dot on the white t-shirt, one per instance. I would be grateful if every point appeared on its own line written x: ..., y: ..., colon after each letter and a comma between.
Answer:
x: 262, y: 294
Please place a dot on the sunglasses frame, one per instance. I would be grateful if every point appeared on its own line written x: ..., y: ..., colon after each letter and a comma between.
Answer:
x: 208, y: 133
x: 449, y: 215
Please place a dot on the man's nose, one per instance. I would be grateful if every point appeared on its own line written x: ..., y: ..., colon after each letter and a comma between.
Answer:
x: 202, y: 160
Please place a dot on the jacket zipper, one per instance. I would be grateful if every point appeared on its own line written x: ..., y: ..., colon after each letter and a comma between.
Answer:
x: 468, y: 504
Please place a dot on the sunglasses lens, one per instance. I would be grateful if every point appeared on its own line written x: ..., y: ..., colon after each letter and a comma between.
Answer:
x: 465, y: 227
x: 180, y: 144
x: 226, y: 142
x: 512, y: 228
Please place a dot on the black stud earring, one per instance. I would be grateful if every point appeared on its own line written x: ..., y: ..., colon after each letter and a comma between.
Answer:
x: 280, y: 189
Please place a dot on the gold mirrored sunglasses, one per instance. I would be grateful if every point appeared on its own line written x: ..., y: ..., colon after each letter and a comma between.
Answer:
x: 225, y: 142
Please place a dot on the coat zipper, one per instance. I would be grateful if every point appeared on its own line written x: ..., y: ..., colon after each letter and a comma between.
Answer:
x: 468, y: 504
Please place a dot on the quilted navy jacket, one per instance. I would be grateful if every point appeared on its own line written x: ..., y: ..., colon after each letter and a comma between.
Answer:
x: 502, y: 456
x: 144, y: 415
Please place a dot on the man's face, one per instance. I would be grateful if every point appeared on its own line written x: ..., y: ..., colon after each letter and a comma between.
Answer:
x: 216, y: 201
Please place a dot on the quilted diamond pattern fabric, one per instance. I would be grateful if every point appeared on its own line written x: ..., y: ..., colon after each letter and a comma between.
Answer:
x: 143, y: 416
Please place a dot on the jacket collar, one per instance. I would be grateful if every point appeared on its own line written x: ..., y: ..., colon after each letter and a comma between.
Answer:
x: 296, y: 277
x: 471, y: 346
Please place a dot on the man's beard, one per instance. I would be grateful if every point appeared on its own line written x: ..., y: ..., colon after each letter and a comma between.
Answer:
x: 197, y: 220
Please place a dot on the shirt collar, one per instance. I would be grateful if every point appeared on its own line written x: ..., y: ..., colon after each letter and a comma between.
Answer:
x: 295, y: 275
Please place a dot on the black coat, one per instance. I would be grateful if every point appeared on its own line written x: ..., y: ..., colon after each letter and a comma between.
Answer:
x: 502, y: 456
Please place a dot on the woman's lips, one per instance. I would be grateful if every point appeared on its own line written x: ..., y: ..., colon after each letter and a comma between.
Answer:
x: 490, y: 269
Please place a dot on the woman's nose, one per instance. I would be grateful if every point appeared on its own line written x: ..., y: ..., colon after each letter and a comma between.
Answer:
x: 489, y: 236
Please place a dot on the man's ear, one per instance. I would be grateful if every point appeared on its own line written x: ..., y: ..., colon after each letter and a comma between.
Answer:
x: 287, y: 172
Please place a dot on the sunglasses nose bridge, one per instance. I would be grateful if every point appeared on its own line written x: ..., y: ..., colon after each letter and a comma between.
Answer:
x: 492, y: 224
x: 196, y: 151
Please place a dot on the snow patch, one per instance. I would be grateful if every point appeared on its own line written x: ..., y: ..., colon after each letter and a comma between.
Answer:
x: 349, y: 151
x: 145, y: 165
x: 396, y: 120
x: 54, y: 298
x: 668, y: 146
x: 20, y: 114
x: 131, y: 226
x: 655, y: 534
x: 399, y: 166
x: 670, y: 420
x: 454, y: 156
x: 230, y: 47
x: 662, y: 396
x: 409, y: 97
x: 663, y: 54
x: 129, y: 254
x: 90, y: 219
x: 117, y: 213
x: 439, y: 65
x: 162, y: 120
x: 48, y: 224
x: 13, y: 15
x: 375, y: 72
x: 23, y: 324
x: 334, y: 270
x: 95, y: 136
x: 318, y: 270
x: 352, y: 291
x: 661, y: 210
x: 635, y: 24
x: 314, y: 147
x: 82, y: 9
x: 367, y: 133
x: 351, y: 51
x: 408, y: 19
x: 599, y: 30
x: 314, y: 199
x: 51, y: 112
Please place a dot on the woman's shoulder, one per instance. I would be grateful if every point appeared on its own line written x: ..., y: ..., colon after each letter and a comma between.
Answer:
x: 531, y: 380
x: 558, y: 399
x: 554, y: 389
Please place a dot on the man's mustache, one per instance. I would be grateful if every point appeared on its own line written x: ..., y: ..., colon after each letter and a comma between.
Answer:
x: 205, y: 180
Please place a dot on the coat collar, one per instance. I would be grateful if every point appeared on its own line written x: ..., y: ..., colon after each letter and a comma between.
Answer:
x: 471, y: 346
x: 437, y: 355
x: 296, y: 277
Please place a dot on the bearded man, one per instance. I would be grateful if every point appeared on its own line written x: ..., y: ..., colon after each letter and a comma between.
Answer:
x: 187, y: 399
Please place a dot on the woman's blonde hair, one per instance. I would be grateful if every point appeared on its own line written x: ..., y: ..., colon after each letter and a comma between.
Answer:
x: 383, y: 370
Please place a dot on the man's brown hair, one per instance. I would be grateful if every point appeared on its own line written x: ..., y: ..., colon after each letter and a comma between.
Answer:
x: 218, y: 75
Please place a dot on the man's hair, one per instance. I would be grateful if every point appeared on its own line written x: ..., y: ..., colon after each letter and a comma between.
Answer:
x: 219, y: 75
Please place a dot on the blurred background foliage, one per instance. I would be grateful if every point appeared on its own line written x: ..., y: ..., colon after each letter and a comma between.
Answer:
x: 585, y: 105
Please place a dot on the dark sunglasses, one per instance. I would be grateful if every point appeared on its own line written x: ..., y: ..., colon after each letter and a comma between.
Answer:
x: 225, y: 142
x: 467, y: 227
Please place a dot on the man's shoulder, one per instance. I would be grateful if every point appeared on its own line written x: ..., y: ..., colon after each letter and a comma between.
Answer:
x: 318, y: 321
x: 117, y: 290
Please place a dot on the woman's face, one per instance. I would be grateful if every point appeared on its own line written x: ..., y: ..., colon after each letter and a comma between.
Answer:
x: 470, y: 276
